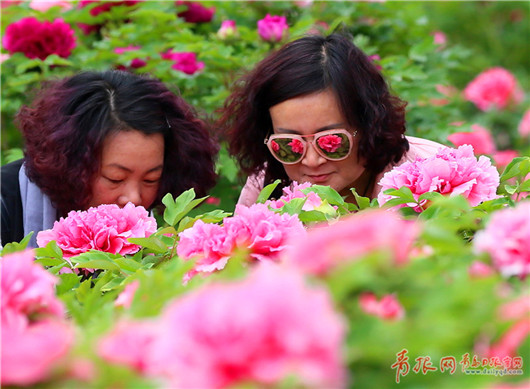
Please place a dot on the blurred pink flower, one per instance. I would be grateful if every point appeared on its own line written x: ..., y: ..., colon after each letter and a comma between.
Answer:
x: 351, y: 238
x: 129, y: 344
x: 260, y: 330
x: 493, y: 88
x: 195, y: 13
x: 185, y: 62
x: 44, y: 5
x: 505, y: 239
x: 228, y: 29
x: 388, y: 308
x: 508, y: 344
x: 439, y: 38
x: 449, y: 172
x: 103, y: 6
x: 524, y: 125
x: 503, y: 157
x: 125, y: 298
x: 480, y: 138
x: 273, y: 28
x: 37, y: 39
x: 136, y: 62
x: 515, y: 309
x: 104, y: 228
x: 295, y: 192
x: 213, y: 200
x: 479, y: 269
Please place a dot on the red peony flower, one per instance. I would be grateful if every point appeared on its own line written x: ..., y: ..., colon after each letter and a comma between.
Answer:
x: 196, y: 13
x: 104, y: 6
x: 38, y: 39
x: 273, y: 28
x: 296, y: 146
x: 185, y: 62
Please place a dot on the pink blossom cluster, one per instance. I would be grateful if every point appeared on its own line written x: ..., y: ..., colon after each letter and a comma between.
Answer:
x: 195, y: 12
x: 273, y: 28
x: 44, y: 5
x: 260, y: 330
x: 327, y: 246
x: 103, y: 6
x: 493, y: 88
x: 387, y: 308
x: 34, y: 333
x: 295, y: 192
x: 264, y: 233
x: 136, y: 62
x: 227, y: 30
x: 104, y: 228
x: 449, y: 172
x: 36, y: 39
x: 524, y: 125
x: 185, y: 62
x: 505, y: 239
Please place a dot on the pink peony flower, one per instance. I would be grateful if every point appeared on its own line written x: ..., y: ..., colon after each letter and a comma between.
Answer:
x: 524, y: 125
x: 505, y: 239
x: 37, y: 39
x: 44, y: 5
x: 8, y: 3
x: 296, y: 146
x: 196, y: 13
x: 126, y: 297
x: 479, y: 269
x: 261, y: 330
x: 184, y: 62
x: 493, y: 88
x: 329, y: 143
x: 136, y: 62
x: 129, y: 344
x: 513, y: 338
x: 502, y: 158
x: 352, y: 237
x: 295, y: 192
x: 439, y: 38
x: 104, y: 228
x: 515, y: 309
x: 275, y: 146
x: 228, y: 29
x: 103, y: 6
x: 480, y: 138
x: 388, y: 308
x: 273, y: 28
x: 376, y: 58
x: 449, y: 172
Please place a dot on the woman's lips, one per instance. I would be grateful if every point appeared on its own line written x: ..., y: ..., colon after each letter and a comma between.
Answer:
x: 318, y: 178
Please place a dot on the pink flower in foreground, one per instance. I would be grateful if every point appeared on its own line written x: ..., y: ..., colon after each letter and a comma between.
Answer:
x: 261, y: 330
x: 126, y: 297
x: 228, y: 29
x: 480, y: 138
x: 449, y: 172
x: 44, y: 5
x: 195, y: 12
x: 493, y: 88
x: 524, y: 125
x: 273, y: 28
x: 351, y: 238
x: 515, y: 309
x: 513, y: 338
x: 104, y: 228
x: 185, y: 62
x: 295, y: 192
x: 388, y: 308
x: 129, y: 344
x: 505, y: 239
x: 37, y: 39
x: 479, y: 269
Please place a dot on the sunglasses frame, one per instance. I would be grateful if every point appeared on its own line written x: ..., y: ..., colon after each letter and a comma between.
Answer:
x: 349, y: 135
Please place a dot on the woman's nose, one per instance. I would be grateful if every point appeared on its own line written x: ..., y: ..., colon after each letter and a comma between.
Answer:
x: 130, y: 194
x: 311, y: 157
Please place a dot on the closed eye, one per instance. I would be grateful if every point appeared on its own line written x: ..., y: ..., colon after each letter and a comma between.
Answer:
x: 113, y: 181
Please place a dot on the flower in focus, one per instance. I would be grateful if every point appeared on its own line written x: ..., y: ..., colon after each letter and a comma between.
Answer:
x: 524, y: 125
x: 272, y: 28
x: 44, y: 5
x: 505, y: 239
x: 260, y: 330
x: 296, y: 146
x: 480, y: 138
x: 228, y: 29
x: 104, y: 228
x: 37, y: 39
x: 185, y: 62
x: 136, y: 62
x: 352, y: 237
x: 493, y: 88
x: 388, y: 308
x: 449, y: 172
x: 195, y: 12
x: 295, y: 192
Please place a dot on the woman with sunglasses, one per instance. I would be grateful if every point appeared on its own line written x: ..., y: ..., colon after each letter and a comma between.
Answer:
x: 102, y: 138
x: 319, y: 111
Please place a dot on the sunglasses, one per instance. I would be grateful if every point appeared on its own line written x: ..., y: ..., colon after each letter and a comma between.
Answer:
x: 289, y: 149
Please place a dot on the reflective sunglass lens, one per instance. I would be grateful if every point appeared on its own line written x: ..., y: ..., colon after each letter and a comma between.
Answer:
x: 287, y: 149
x: 334, y: 146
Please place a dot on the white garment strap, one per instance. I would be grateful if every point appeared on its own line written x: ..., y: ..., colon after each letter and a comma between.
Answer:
x: 38, y: 212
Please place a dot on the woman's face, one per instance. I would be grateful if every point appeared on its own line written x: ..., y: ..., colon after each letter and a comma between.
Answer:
x: 310, y: 114
x: 131, y: 169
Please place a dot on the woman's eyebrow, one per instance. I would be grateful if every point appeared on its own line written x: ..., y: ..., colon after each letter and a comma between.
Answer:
x: 328, y: 127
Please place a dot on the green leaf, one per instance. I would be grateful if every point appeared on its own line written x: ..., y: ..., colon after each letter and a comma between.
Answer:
x: 325, y: 193
x: 67, y: 282
x: 178, y: 208
x: 152, y: 242
x: 13, y: 247
x: 267, y: 191
x: 519, y: 166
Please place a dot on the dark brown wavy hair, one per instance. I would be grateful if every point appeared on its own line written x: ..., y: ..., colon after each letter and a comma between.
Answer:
x: 65, y: 126
x: 308, y: 65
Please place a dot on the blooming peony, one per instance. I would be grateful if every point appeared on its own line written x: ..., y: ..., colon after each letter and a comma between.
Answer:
x: 508, y: 344
x: 449, y: 172
x: 439, y: 38
x: 104, y: 228
x: 184, y: 62
x: 195, y: 13
x: 39, y: 39
x: 228, y: 29
x: 352, y: 237
x: 103, y: 6
x: 524, y: 125
x: 44, y: 5
x: 505, y: 239
x: 136, y: 62
x: 493, y: 88
x: 261, y: 330
x: 388, y: 308
x: 480, y: 138
x: 272, y: 28
x: 294, y: 192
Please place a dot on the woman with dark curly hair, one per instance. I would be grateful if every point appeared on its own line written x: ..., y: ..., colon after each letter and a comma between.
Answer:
x: 319, y: 111
x: 103, y: 138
